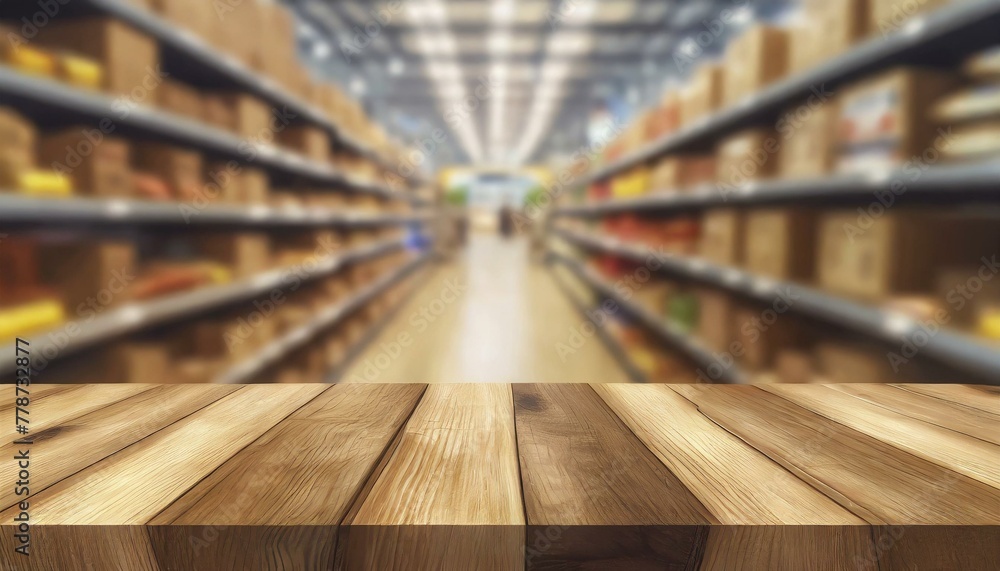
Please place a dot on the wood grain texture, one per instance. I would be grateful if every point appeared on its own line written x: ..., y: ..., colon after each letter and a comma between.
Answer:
x: 80, y: 548
x: 450, y: 491
x: 974, y: 422
x: 587, y: 477
x: 973, y: 396
x: 879, y: 482
x: 949, y: 449
x: 133, y: 485
x: 772, y: 519
x: 54, y: 404
x: 64, y: 447
x: 285, y: 495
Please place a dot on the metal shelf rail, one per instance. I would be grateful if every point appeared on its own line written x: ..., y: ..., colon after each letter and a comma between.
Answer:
x: 71, y: 337
x: 657, y: 325
x: 301, y: 335
x: 959, y: 352
x: 941, y: 36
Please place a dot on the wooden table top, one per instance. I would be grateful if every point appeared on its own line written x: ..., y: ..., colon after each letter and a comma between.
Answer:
x: 797, y: 477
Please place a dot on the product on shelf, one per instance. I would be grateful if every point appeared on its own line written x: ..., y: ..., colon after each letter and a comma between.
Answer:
x: 722, y: 236
x: 682, y: 311
x: 217, y: 112
x: 17, y: 148
x: 245, y: 253
x: 255, y: 186
x: 794, y: 366
x: 179, y: 168
x: 159, y: 279
x: 885, y: 121
x: 985, y: 65
x: 763, y: 332
x: 969, y: 298
x: 134, y: 362
x: 90, y: 276
x: 308, y: 140
x: 19, y: 53
x: 808, y: 140
x: 781, y: 243
x: 45, y: 184
x: 22, y: 319
x: 754, y: 59
x: 150, y: 187
x: 198, y: 18
x: 889, y: 16
x: 703, y: 95
x: 748, y: 155
x: 98, y: 165
x: 180, y: 98
x: 223, y: 183
x: 851, y: 363
x: 129, y: 58
x: 837, y: 25
x: 79, y: 71
x: 251, y: 117
x: 715, y: 319
x: 666, y: 117
x: 197, y: 369
x: 633, y: 182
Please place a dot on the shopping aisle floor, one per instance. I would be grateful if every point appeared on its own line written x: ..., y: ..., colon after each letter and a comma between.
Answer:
x: 491, y: 315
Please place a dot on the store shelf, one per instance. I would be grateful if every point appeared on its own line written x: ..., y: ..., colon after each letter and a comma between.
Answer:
x: 614, y: 347
x: 951, y: 185
x: 960, y: 352
x: 655, y: 324
x: 21, y: 210
x: 194, y: 52
x: 300, y: 336
x: 39, y: 96
x: 940, y: 37
x: 336, y: 375
x: 74, y: 336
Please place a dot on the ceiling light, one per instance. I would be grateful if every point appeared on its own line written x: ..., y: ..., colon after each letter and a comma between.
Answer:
x: 396, y: 66
x: 321, y: 50
x: 358, y: 86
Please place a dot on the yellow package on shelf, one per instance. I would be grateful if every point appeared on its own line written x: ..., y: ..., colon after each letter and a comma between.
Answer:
x: 81, y: 72
x: 31, y: 60
x: 989, y: 324
x: 29, y: 318
x: 217, y: 274
x: 45, y: 183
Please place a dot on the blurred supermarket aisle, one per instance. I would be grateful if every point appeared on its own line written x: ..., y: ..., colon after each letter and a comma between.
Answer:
x: 489, y: 316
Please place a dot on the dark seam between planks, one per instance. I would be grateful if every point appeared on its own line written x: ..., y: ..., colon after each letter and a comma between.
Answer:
x: 226, y: 461
x: 776, y: 462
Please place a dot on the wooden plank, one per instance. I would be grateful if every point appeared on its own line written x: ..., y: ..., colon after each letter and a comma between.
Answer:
x: 772, y: 519
x: 65, y: 447
x: 970, y: 421
x: 881, y: 483
x: 975, y: 396
x: 80, y: 548
x: 282, y: 498
x: 132, y: 486
x: 594, y: 493
x: 449, y: 495
x: 58, y: 406
x: 949, y: 449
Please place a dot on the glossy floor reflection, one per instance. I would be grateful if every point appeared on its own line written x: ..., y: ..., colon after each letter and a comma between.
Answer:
x: 489, y: 316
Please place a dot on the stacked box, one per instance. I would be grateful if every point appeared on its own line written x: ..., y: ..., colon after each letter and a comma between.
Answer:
x: 754, y: 60
x: 97, y: 164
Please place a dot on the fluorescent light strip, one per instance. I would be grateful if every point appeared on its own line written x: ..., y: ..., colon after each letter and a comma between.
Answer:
x: 447, y: 77
x: 502, y: 13
x: 554, y: 74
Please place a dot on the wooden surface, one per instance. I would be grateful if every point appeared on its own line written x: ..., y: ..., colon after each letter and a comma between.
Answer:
x: 787, y: 477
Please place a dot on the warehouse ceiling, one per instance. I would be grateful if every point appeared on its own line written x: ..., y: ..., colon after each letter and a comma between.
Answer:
x: 510, y: 82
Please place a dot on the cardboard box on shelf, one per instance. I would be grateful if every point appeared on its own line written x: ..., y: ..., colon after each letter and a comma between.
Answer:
x: 883, y: 121
x: 17, y: 148
x: 180, y: 98
x: 129, y: 57
x: 239, y: 33
x: 781, y: 243
x: 97, y: 164
x: 139, y: 362
x: 223, y: 183
x: 808, y: 140
x: 255, y: 186
x: 247, y: 253
x: 747, y: 155
x: 755, y: 59
x: 844, y: 23
x: 715, y: 320
x: 217, y: 112
x: 722, y: 237
x: 703, y: 96
x: 889, y: 16
x: 90, y: 276
x: 251, y: 117
x: 849, y: 363
x: 794, y: 366
x: 179, y: 168
x: 762, y: 333
x: 311, y: 141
